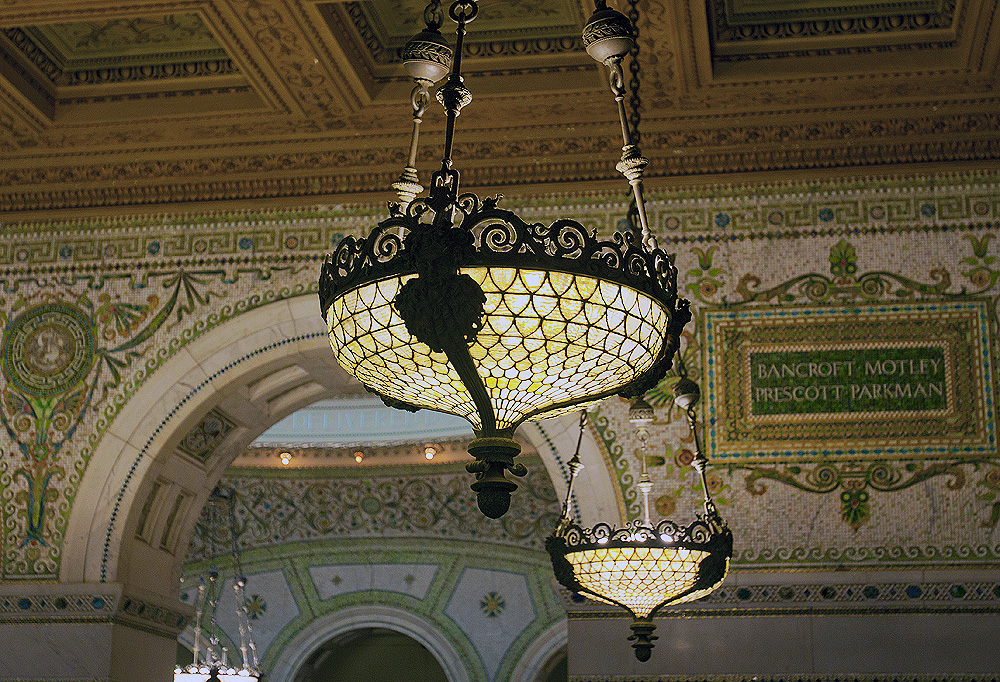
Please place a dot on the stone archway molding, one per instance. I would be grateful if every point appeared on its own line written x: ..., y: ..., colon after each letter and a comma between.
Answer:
x: 265, y: 363
x: 315, y: 634
x: 541, y: 652
x: 139, y: 445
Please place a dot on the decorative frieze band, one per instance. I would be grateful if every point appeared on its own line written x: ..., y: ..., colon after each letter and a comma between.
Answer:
x: 32, y: 603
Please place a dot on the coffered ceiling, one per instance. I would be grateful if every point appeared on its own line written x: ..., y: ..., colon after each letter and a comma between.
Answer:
x: 152, y: 105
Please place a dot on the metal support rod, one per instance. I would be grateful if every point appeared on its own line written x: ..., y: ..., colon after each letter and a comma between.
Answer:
x: 632, y: 162
x: 700, y: 462
x: 574, y: 465
x: 408, y: 186
x: 453, y: 94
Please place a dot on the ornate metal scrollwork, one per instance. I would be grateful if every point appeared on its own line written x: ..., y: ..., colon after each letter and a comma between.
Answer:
x: 500, y: 238
x: 707, y: 532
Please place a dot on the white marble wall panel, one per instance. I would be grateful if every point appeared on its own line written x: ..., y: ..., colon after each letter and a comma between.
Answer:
x: 411, y: 579
x: 492, y: 608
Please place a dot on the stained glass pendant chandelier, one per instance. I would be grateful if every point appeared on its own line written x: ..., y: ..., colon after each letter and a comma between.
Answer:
x: 457, y: 305
x: 212, y: 661
x: 644, y: 567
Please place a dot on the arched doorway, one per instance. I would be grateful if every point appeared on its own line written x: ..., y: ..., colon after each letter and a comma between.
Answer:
x: 306, y: 654
x: 371, y: 655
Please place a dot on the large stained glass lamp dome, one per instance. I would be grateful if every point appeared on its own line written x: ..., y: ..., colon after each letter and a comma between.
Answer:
x: 455, y: 304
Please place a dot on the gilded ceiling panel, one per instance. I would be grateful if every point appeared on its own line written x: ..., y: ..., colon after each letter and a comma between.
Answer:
x: 110, y: 42
x: 264, y: 100
x: 764, y: 11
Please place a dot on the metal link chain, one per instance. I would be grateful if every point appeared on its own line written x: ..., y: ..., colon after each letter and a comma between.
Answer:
x: 634, y: 102
x: 633, y: 67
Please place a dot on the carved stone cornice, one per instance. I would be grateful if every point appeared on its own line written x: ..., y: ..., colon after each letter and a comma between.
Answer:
x: 828, y: 21
x: 674, y: 149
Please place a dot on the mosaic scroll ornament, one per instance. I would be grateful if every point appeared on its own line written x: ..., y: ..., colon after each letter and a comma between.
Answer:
x: 62, y: 357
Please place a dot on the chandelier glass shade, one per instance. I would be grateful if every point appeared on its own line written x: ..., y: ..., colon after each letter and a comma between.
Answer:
x: 544, y: 340
x: 455, y: 304
x: 643, y: 568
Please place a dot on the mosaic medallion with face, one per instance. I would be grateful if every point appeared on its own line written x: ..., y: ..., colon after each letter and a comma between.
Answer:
x: 48, y: 349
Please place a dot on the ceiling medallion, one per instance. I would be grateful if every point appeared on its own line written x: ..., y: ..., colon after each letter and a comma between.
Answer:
x: 455, y: 304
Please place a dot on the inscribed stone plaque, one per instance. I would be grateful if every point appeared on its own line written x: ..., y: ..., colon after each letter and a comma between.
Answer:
x: 877, y: 380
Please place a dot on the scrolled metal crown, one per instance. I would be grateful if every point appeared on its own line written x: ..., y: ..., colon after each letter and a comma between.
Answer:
x: 501, y: 238
x: 707, y: 532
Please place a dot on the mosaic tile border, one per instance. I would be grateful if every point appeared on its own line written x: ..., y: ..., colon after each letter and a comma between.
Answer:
x: 947, y: 201
x: 829, y: 598
x: 880, y: 677
x: 90, y: 607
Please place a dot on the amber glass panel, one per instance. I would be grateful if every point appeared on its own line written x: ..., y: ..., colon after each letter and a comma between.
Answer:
x: 639, y: 577
x: 549, y: 337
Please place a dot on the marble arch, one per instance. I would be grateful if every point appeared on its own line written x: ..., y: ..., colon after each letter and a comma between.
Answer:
x: 139, y: 498
x: 328, y: 627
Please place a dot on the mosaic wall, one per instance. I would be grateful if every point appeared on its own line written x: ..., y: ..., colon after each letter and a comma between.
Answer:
x: 274, y: 507
x: 91, y: 309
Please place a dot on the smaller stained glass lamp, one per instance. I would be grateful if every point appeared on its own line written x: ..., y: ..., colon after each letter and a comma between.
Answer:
x: 212, y: 663
x: 644, y: 567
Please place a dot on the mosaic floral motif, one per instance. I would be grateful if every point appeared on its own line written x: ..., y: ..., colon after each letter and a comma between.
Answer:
x: 843, y: 259
x: 707, y: 279
x: 276, y: 510
x: 255, y: 606
x: 63, y: 355
x: 60, y: 358
x: 982, y: 275
x: 816, y: 288
x: 492, y: 604
x: 854, y: 478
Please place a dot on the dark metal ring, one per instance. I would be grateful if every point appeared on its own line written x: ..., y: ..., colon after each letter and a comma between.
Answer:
x: 433, y: 16
x: 463, y: 11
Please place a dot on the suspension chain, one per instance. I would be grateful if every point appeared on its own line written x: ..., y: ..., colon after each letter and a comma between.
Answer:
x: 634, y: 102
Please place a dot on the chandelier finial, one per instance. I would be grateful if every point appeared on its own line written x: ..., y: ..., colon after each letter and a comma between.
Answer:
x: 426, y: 58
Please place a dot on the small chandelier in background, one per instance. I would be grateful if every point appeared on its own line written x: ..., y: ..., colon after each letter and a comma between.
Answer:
x: 644, y: 567
x: 212, y: 661
x: 456, y: 305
